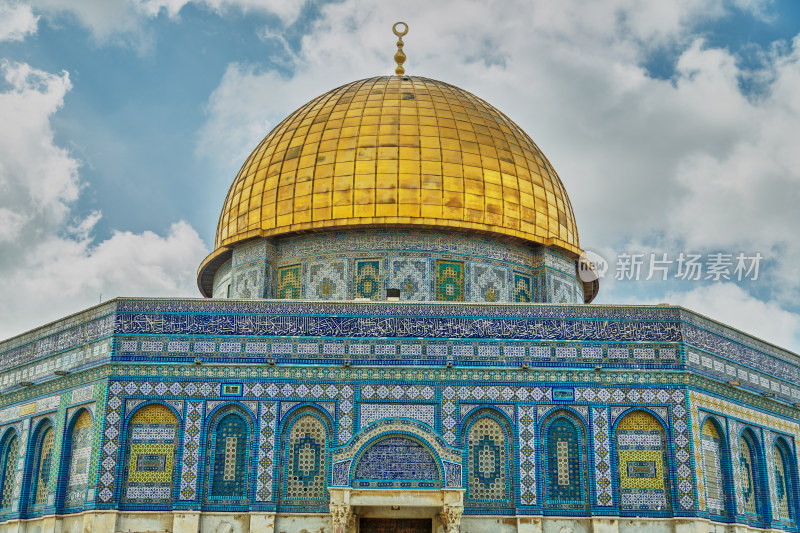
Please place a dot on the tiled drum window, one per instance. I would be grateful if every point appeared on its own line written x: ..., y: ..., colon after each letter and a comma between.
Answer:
x: 450, y: 281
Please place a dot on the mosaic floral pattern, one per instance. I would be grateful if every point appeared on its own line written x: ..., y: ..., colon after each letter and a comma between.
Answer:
x: 228, y: 457
x: 367, y: 282
x: 306, y: 464
x: 43, y: 466
x: 394, y: 462
x: 10, y: 451
x: 289, y: 282
x: 450, y: 281
x: 151, y: 449
x: 566, y: 476
x: 487, y: 463
x: 80, y: 450
x: 641, y: 452
x: 712, y: 468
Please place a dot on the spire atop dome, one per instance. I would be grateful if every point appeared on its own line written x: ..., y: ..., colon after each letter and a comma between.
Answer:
x: 400, y: 57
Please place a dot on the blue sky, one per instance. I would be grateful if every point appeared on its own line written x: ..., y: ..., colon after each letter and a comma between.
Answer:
x: 673, y: 126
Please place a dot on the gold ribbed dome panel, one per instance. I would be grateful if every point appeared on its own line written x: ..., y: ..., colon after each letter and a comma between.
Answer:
x: 398, y: 151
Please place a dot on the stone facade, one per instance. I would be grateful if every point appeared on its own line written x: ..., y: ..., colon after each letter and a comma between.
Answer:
x: 256, y: 415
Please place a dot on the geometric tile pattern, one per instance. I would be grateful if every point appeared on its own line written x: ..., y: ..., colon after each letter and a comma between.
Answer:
x: 604, y: 490
x: 266, y: 451
x: 191, y: 450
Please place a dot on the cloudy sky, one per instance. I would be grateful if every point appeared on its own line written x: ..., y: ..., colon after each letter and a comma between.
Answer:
x: 675, y: 127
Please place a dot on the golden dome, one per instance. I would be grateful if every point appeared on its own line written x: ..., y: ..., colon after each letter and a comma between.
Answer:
x: 400, y: 151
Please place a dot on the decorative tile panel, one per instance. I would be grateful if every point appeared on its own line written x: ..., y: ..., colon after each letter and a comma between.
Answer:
x: 191, y: 450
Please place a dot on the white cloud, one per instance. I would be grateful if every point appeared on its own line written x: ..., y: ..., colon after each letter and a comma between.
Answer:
x: 17, y: 21
x: 50, y: 264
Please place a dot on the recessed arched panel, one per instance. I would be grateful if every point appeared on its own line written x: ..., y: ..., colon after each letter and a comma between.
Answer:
x: 77, y: 457
x: 642, y: 463
x: 305, y: 467
x: 565, y: 475
x: 711, y: 443
x: 151, y: 451
x: 487, y: 458
x: 397, y: 461
x: 41, y: 466
x: 8, y: 468
x: 784, y: 481
x: 751, y: 477
x: 227, y: 468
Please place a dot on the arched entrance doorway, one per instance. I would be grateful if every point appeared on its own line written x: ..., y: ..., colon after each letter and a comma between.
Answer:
x: 396, y: 476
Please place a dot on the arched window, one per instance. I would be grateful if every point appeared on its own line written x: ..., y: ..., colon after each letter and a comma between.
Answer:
x: 305, y: 473
x: 77, y: 458
x: 565, y: 458
x: 749, y: 475
x: 713, y: 470
x: 43, y: 461
x: 228, y: 471
x: 642, y: 463
x: 8, y: 465
x: 151, y: 447
x: 784, y: 482
x: 486, y: 447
